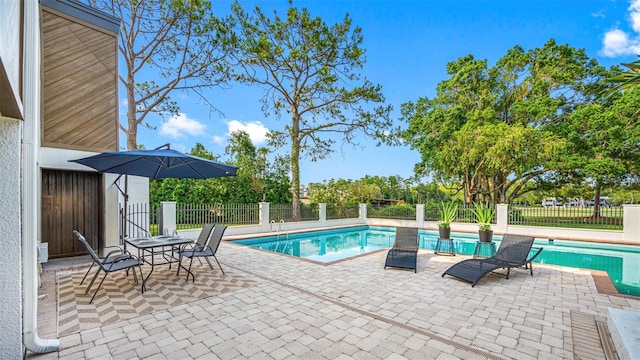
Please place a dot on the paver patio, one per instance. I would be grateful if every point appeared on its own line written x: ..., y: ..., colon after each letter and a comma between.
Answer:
x: 294, y: 309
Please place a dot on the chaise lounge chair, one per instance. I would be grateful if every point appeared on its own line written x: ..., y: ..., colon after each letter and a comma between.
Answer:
x: 514, y: 251
x: 404, y: 253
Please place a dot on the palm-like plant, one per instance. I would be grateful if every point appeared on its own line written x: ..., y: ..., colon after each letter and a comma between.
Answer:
x: 448, y: 212
x: 626, y: 79
x: 484, y: 213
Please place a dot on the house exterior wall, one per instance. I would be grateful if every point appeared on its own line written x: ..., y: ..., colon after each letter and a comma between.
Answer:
x: 20, y: 116
x: 11, y: 111
x: 10, y: 235
x: 10, y: 104
x: 80, y: 98
x: 80, y: 105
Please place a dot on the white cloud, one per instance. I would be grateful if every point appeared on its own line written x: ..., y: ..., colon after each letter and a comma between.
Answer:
x: 256, y: 130
x: 180, y: 125
x: 220, y: 140
x: 617, y: 42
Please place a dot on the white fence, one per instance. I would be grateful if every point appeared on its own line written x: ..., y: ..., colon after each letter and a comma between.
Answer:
x: 629, y: 234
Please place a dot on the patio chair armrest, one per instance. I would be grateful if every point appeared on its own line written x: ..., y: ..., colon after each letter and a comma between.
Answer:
x: 118, y: 251
x: 535, y: 255
x: 121, y: 258
x: 195, y: 248
x: 183, y: 247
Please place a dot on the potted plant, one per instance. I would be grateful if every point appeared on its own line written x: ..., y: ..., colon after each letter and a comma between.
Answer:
x: 447, y: 213
x: 484, y: 213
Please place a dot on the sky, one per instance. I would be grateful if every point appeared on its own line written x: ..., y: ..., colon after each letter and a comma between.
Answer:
x: 408, y: 44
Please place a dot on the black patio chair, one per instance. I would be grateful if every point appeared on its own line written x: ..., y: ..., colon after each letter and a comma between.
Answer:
x: 404, y: 253
x: 110, y: 264
x: 206, y: 250
x: 515, y: 251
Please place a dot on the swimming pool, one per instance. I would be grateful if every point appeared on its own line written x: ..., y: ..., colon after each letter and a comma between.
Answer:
x: 328, y: 245
x: 621, y: 262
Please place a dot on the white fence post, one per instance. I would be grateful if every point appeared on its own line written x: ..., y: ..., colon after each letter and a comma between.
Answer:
x: 502, y: 218
x: 323, y: 212
x: 631, y: 223
x: 264, y: 216
x: 167, y: 218
x: 363, y: 212
x: 420, y: 215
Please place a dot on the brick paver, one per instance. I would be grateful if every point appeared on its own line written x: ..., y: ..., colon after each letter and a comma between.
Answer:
x: 356, y: 309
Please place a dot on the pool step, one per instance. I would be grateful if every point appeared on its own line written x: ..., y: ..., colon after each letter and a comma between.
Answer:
x: 625, y: 333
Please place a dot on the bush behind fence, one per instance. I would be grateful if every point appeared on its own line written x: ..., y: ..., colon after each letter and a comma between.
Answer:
x: 194, y: 215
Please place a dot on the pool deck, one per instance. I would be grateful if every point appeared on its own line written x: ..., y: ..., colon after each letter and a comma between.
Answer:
x: 355, y: 309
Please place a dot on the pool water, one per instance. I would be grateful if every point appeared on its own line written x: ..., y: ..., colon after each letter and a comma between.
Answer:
x: 621, y: 262
x: 327, y: 245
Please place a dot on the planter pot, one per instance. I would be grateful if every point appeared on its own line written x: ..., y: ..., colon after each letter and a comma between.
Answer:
x: 485, y: 235
x: 444, y: 233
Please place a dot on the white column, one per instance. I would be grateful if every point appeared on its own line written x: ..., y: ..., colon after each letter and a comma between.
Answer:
x: 323, y: 212
x: 167, y: 223
x: 631, y: 223
x: 264, y: 216
x: 420, y: 215
x: 502, y: 218
x: 363, y: 212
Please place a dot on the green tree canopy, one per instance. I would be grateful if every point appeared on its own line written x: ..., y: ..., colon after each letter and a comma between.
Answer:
x: 495, y: 130
x: 604, y: 141
x: 310, y: 71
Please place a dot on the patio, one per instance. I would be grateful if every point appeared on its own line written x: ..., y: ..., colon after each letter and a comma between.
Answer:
x: 271, y: 306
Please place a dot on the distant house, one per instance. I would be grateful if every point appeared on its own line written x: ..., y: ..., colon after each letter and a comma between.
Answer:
x: 58, y: 101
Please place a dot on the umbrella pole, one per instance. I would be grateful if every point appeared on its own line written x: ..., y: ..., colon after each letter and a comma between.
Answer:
x: 123, y: 212
x: 126, y: 204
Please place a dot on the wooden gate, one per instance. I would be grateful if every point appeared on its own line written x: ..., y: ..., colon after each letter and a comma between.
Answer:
x: 70, y: 201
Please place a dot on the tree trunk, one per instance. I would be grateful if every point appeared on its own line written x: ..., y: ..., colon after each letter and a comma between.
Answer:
x: 596, y: 204
x: 295, y: 169
x: 132, y: 126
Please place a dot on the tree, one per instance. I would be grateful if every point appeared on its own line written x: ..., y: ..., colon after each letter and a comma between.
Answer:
x: 605, y: 141
x: 325, y: 193
x: 497, y: 131
x: 309, y: 70
x: 236, y: 189
x: 360, y: 192
x: 167, y: 46
x: 264, y: 179
x: 250, y: 163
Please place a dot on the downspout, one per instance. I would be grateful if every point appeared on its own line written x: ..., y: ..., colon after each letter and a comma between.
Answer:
x: 30, y: 180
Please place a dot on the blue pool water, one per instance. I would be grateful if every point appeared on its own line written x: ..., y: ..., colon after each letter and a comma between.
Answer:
x: 621, y: 262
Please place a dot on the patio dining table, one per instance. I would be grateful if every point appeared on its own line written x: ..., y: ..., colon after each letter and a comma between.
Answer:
x: 157, y: 250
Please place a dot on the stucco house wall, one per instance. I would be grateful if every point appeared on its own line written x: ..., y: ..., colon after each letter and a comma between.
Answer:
x: 11, y: 113
x: 10, y: 104
x: 10, y: 238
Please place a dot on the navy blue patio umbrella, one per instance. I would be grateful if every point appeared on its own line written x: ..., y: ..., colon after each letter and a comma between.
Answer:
x: 155, y: 164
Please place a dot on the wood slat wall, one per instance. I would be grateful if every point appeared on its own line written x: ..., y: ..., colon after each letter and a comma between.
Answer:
x: 80, y: 104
